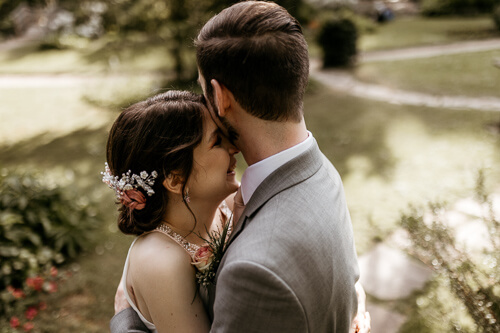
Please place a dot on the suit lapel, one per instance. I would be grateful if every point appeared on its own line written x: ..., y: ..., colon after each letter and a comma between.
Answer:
x: 291, y: 173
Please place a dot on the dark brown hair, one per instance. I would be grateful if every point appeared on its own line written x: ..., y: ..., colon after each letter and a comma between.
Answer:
x: 158, y: 134
x: 257, y: 50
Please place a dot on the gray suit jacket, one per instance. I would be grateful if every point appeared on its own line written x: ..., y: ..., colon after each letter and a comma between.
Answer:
x: 291, y: 263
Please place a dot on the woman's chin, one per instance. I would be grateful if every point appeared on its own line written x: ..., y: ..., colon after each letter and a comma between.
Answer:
x: 233, y: 187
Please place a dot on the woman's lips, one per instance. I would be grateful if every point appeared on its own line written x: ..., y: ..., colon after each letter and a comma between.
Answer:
x: 231, y: 169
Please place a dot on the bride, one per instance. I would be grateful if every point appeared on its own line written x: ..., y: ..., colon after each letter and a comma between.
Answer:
x: 173, y: 173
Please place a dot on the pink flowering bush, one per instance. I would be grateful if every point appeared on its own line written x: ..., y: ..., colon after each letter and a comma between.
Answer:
x: 41, y: 227
x: 22, y: 305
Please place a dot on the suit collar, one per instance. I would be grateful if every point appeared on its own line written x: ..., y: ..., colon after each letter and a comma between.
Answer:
x: 291, y: 173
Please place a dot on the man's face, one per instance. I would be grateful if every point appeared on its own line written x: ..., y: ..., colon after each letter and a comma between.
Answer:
x: 223, y: 124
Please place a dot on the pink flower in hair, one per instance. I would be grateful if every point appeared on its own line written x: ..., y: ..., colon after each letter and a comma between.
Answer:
x: 126, y: 186
x: 133, y: 199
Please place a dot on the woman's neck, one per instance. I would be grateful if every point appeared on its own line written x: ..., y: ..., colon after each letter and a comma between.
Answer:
x: 182, y: 221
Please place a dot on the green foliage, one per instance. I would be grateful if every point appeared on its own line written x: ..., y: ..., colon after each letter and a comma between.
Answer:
x: 496, y: 16
x: 473, y: 277
x: 40, y: 226
x: 338, y: 40
x: 457, y: 7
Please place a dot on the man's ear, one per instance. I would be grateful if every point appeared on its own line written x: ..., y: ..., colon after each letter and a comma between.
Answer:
x: 174, y: 183
x: 221, y: 97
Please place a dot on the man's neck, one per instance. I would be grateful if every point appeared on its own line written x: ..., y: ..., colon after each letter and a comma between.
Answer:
x: 266, y: 139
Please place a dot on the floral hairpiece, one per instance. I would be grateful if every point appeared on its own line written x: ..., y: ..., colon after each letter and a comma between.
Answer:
x: 129, y: 181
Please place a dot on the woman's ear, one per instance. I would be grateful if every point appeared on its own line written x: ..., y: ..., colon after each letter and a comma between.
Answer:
x: 174, y: 183
x: 221, y: 97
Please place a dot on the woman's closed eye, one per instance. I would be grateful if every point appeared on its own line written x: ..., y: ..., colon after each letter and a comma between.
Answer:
x: 217, y: 140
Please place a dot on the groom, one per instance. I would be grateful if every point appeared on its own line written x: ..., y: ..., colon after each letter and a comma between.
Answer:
x: 291, y: 263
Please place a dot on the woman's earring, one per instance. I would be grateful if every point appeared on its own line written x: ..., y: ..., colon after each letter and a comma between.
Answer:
x: 186, y: 197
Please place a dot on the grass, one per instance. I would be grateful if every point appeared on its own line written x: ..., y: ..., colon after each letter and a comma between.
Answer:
x: 468, y: 74
x: 417, y: 31
x: 393, y: 155
x: 89, y: 57
x: 388, y: 156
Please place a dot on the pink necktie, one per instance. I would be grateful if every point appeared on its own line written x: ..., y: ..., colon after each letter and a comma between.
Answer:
x: 239, y: 206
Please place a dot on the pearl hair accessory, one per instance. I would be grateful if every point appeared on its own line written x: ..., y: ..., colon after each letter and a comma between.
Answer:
x: 129, y: 181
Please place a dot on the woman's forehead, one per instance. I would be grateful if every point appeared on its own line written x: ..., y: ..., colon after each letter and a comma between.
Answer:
x: 209, y: 126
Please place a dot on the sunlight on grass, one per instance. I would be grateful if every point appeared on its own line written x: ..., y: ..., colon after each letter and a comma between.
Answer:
x: 89, y: 60
x: 56, y: 111
x: 56, y: 105
x: 46, y: 110
x: 390, y: 156
x: 416, y: 31
x: 50, y: 61
x: 469, y: 74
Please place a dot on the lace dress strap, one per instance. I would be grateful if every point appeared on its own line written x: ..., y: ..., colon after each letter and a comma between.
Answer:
x: 224, y: 208
x: 190, y: 248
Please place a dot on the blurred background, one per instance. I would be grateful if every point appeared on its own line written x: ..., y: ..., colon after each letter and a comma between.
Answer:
x: 404, y: 99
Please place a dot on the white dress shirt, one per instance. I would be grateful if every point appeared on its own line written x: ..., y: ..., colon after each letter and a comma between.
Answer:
x: 255, y: 174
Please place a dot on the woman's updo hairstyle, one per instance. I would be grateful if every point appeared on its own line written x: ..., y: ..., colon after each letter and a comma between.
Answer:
x: 158, y: 134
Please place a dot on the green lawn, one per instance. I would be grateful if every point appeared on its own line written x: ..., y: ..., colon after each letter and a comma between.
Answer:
x: 468, y: 74
x: 416, y: 31
x: 388, y: 155
x: 83, y: 57
x: 393, y: 155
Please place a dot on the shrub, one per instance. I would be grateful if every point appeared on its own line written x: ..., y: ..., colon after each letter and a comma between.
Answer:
x: 338, y: 40
x: 41, y: 226
x: 473, y: 277
x: 22, y: 305
x: 496, y: 16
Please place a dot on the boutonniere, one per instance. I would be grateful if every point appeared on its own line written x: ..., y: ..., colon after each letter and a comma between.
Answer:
x: 207, y: 258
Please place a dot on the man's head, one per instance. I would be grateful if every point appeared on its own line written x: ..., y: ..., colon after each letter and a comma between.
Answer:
x: 257, y: 51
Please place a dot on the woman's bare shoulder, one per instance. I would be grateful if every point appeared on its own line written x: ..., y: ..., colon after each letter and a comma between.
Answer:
x: 157, y: 256
x: 163, y: 280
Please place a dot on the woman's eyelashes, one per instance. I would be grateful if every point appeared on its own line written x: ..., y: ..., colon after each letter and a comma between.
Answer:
x: 218, y: 140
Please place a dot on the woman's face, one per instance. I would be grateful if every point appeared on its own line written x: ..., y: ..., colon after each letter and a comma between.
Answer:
x: 213, y: 176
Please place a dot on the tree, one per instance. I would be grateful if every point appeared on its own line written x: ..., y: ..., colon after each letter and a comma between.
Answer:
x: 136, y: 23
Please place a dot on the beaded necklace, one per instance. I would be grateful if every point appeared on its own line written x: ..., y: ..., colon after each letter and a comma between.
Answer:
x: 189, y: 247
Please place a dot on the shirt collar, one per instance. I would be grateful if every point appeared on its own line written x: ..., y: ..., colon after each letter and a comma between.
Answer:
x: 255, y: 174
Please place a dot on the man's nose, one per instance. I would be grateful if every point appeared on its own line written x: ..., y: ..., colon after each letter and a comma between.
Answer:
x: 232, y: 148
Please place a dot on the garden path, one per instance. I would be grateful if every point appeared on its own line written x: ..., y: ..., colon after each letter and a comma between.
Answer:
x: 344, y: 81
x: 431, y: 50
